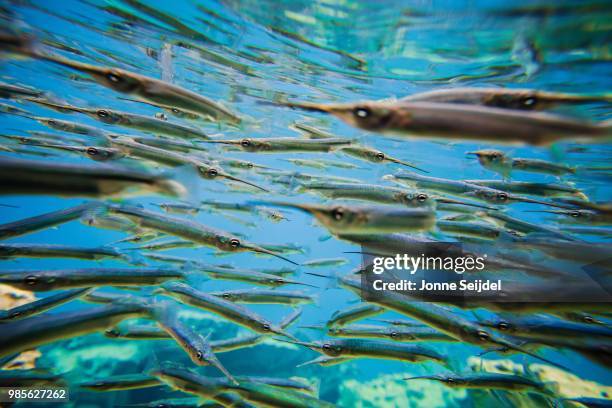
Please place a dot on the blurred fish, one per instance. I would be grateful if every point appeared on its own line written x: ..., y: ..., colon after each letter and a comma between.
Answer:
x: 197, y: 347
x: 463, y: 188
x: 120, y: 383
x: 532, y: 188
x: 457, y: 121
x: 222, y: 307
x: 488, y: 381
x: 373, y: 349
x: 41, y: 305
x: 509, y: 98
x: 406, y: 334
x: 143, y: 87
x: 48, y: 327
x: 353, y: 313
x: 43, y: 280
x: 361, y: 219
x: 285, y: 144
x: 18, y: 176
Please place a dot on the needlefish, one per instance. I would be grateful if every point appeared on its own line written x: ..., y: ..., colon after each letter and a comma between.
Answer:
x: 459, y: 121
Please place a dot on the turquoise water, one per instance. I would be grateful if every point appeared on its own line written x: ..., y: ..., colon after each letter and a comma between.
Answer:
x: 243, y: 53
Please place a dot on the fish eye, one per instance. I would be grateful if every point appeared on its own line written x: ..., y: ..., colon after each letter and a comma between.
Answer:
x: 199, y: 355
x: 226, y: 295
x: 483, y: 335
x: 449, y: 380
x: 161, y: 116
x: 102, y: 113
x: 266, y: 327
x: 588, y: 319
x: 250, y: 165
x: 574, y: 214
x: 337, y: 213
x: 112, y: 333
x: 326, y: 346
x: 92, y: 151
x: 421, y: 197
x: 362, y: 112
x: 234, y: 243
x: 31, y: 280
x: 161, y: 406
x: 529, y: 101
x: 212, y: 172
x: 393, y: 334
x: 52, y: 122
x: 114, y: 77
x: 502, y: 196
x: 380, y: 156
x: 14, y: 315
x: 503, y: 326
x: 245, y: 142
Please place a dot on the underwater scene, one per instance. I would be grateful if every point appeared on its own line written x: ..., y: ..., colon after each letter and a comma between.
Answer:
x: 326, y: 203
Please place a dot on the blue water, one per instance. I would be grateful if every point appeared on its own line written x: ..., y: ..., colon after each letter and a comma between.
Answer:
x: 325, y: 51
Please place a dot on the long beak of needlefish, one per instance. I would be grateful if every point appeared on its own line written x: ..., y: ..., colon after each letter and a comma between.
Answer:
x: 309, y: 106
x: 423, y: 377
x: 226, y: 142
x: 472, y: 154
x: 215, y: 362
x: 403, y: 163
x: 299, y: 343
x: 256, y: 248
x: 294, y: 282
x: 248, y: 183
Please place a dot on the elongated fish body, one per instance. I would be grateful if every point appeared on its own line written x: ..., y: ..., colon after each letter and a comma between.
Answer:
x: 32, y: 224
x: 17, y: 91
x: 542, y: 327
x: 509, y: 98
x: 28, y: 378
x: 42, y: 280
x: 189, y: 230
x: 353, y: 313
x: 137, y: 332
x: 18, y: 176
x: 541, y: 166
x: 121, y: 382
x: 45, y: 328
x: 370, y: 192
x: 57, y: 251
x: 220, y: 306
x: 458, y: 121
x: 195, y: 345
x: 367, y: 219
x: 41, y: 305
x: 469, y: 229
x: 374, y: 156
x: 402, y: 334
x: 265, y: 296
x: 145, y: 88
x: 285, y: 144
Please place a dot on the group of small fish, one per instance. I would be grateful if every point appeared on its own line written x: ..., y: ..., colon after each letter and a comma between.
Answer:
x: 406, y: 208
